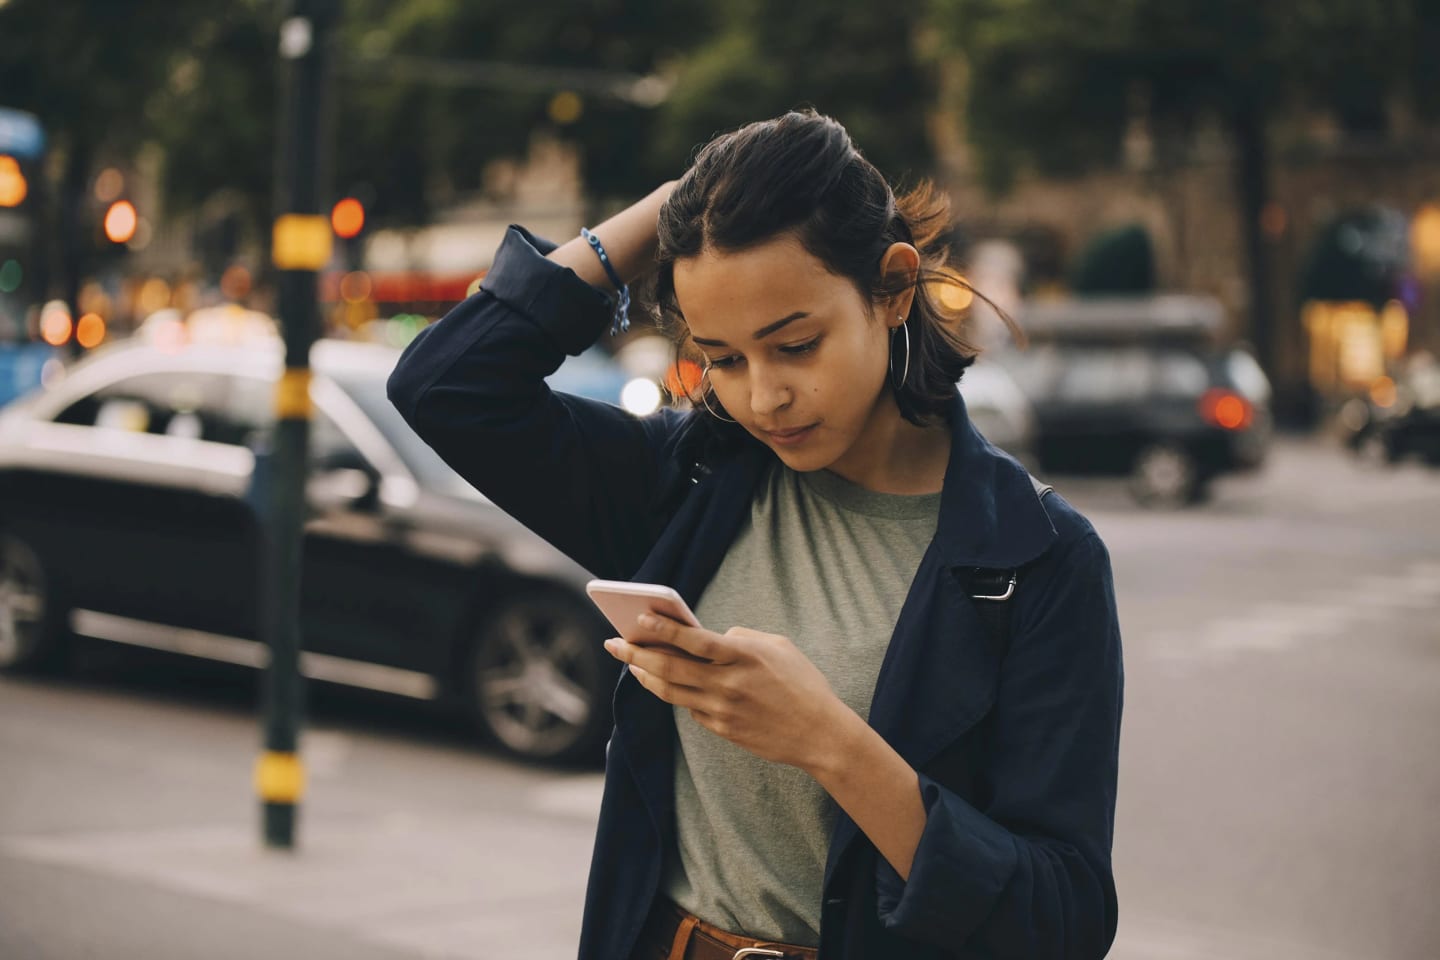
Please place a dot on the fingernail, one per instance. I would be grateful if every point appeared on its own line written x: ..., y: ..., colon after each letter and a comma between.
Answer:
x: 611, y: 646
x: 648, y: 621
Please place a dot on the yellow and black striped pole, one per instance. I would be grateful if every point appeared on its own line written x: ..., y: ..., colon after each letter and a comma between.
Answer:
x: 301, y: 246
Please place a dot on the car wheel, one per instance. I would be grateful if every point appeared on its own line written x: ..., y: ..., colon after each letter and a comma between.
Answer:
x: 540, y: 678
x: 30, y: 634
x: 1165, y: 475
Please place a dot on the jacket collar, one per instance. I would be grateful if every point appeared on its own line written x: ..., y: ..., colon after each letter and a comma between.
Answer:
x: 990, y: 514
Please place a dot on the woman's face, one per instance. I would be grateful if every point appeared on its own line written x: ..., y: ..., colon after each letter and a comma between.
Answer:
x: 796, y: 354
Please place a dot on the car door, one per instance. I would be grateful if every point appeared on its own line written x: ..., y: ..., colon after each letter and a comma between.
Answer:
x: 135, y: 500
x: 356, y: 605
x: 1094, y: 421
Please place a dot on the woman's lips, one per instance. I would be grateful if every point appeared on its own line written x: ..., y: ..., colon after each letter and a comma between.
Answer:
x: 789, y: 438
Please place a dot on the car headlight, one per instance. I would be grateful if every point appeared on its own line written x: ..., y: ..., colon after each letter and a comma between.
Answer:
x: 641, y: 396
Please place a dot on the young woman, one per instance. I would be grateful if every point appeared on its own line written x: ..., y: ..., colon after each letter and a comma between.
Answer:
x: 898, y: 736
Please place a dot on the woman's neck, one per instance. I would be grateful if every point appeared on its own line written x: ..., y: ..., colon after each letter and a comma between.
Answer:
x: 893, y: 455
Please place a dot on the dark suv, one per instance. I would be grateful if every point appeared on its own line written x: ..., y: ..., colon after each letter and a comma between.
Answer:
x: 1139, y: 387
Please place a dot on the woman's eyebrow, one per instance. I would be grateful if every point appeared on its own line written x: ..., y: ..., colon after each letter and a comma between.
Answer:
x: 760, y: 334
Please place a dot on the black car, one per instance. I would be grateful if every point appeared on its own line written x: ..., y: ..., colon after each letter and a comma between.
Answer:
x: 127, y: 514
x: 1139, y: 388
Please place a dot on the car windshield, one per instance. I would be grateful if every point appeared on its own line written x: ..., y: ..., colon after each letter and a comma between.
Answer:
x: 368, y: 392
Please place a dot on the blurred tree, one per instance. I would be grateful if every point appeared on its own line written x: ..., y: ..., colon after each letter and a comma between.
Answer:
x: 420, y: 137
x: 853, y: 59
x: 1054, y: 84
x: 86, y: 69
x: 1118, y: 261
x: 215, y: 118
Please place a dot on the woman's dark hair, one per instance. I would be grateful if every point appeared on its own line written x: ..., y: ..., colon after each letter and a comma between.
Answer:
x: 801, y: 173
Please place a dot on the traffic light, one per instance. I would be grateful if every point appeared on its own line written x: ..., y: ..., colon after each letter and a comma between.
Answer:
x: 347, y: 218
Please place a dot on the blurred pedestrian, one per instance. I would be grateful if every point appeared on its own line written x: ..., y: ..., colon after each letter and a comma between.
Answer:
x: 905, y: 743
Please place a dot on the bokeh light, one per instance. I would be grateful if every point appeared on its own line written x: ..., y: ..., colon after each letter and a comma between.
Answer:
x: 13, y: 187
x: 55, y: 325
x: 121, y: 221
x: 348, y: 218
x: 109, y: 184
x: 954, y: 297
x: 355, y: 287
x: 11, y: 276
x: 236, y: 282
x: 90, y: 331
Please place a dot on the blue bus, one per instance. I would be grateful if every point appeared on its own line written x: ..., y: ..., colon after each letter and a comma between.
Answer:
x: 22, y: 148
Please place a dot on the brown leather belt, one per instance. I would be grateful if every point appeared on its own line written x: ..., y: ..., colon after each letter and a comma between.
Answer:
x: 671, y: 933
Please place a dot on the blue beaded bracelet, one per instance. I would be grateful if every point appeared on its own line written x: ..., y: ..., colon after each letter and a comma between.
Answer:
x: 622, y: 302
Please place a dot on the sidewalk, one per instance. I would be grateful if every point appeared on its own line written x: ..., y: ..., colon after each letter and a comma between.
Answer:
x: 149, y: 846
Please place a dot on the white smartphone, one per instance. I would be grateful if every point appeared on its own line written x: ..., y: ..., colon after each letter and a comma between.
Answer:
x: 622, y: 602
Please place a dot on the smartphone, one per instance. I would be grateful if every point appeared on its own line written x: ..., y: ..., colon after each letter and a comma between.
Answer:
x: 622, y: 602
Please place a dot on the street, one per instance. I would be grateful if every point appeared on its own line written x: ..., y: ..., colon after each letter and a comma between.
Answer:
x: 1277, y: 797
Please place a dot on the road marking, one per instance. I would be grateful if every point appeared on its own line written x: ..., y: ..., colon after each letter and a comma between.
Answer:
x: 248, y: 653
x: 1275, y: 626
x: 577, y: 797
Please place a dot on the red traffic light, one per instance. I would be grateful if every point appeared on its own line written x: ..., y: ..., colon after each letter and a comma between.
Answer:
x: 348, y: 218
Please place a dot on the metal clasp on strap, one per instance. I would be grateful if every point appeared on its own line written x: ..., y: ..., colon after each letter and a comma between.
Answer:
x: 744, y: 952
x: 1009, y: 590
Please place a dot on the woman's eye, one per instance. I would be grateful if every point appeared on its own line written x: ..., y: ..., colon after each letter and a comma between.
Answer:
x: 724, y: 363
x: 801, y: 348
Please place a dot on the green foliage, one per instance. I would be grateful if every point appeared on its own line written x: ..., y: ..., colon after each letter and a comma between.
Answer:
x: 1054, y: 82
x: 1118, y: 261
x: 853, y: 59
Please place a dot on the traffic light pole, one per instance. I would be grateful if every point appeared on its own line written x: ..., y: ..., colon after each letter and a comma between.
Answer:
x: 301, y: 247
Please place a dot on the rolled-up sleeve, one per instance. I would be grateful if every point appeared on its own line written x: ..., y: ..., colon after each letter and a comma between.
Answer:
x: 1027, y: 872
x: 581, y: 473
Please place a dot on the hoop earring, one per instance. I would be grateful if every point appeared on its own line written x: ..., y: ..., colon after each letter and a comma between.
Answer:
x: 705, y: 398
x: 905, y: 372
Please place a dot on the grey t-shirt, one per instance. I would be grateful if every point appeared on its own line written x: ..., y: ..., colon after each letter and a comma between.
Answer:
x: 826, y: 563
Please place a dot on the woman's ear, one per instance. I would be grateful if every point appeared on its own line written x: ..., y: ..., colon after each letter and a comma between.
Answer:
x: 899, y: 268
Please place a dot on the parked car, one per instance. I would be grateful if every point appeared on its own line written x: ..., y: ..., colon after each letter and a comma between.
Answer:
x: 1398, y: 418
x: 126, y: 513
x: 1140, y: 388
x: 999, y: 409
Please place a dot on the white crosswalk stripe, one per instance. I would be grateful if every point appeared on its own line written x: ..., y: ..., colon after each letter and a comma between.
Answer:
x: 1336, y: 612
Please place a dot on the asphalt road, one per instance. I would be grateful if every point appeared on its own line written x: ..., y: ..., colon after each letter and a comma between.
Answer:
x: 1278, y: 798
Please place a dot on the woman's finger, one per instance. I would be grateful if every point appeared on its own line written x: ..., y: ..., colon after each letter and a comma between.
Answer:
x: 697, y: 642
x: 677, y: 668
x: 672, y: 693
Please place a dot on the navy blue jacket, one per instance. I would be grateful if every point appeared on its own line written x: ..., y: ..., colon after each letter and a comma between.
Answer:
x: 1017, y: 749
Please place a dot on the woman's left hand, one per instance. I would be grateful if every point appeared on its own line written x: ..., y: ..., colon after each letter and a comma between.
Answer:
x: 757, y: 690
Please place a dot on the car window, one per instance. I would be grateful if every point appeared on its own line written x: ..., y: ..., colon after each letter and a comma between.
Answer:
x: 1036, y: 370
x: 1104, y: 375
x: 177, y: 404
x: 1247, y: 376
x: 1179, y: 374
x: 252, y: 403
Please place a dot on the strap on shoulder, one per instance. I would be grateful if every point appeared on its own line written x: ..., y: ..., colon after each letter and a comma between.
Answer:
x: 992, y: 589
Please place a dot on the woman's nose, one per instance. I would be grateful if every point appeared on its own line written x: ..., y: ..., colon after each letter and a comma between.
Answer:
x: 768, y: 393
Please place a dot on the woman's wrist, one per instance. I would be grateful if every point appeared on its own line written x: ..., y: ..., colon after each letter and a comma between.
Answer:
x: 838, y: 741
x: 629, y: 238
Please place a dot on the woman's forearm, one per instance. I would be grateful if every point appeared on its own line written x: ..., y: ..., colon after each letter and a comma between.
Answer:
x: 877, y: 788
x: 629, y: 240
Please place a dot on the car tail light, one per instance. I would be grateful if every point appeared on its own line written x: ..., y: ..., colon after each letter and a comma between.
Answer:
x: 1226, y: 409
